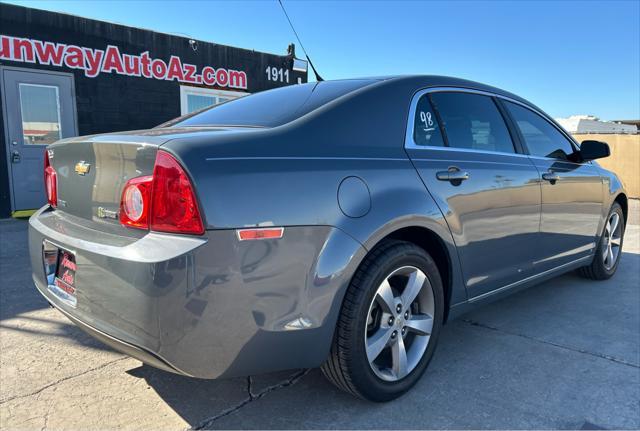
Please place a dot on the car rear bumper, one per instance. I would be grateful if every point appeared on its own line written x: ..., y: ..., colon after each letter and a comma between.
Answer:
x: 209, y: 306
x: 129, y: 349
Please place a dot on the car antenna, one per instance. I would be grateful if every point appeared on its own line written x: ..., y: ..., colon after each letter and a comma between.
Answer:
x: 318, y: 77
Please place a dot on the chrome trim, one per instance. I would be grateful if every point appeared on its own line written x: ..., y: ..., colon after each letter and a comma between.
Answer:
x: 527, y: 279
x: 410, y: 143
x: 469, y: 150
x: 392, y: 159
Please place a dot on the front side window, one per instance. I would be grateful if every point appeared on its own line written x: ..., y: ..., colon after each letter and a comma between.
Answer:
x: 541, y: 137
x: 426, y: 131
x: 472, y: 121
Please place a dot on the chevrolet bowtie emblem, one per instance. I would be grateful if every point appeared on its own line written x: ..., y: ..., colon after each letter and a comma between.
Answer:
x: 82, y: 168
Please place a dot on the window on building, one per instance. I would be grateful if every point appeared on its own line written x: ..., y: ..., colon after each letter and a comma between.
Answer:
x: 541, y: 138
x: 472, y: 121
x: 196, y: 98
x: 426, y: 131
x: 40, y: 110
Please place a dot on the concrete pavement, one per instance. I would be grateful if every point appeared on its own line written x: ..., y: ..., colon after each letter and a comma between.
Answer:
x: 565, y: 354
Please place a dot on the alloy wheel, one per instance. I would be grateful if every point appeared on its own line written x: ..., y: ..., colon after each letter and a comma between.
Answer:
x: 612, y: 241
x: 399, y: 324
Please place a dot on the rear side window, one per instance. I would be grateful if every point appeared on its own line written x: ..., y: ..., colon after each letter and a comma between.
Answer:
x: 472, y: 121
x: 541, y: 137
x: 426, y: 130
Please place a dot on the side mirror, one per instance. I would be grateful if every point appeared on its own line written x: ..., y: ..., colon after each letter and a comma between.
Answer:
x: 591, y: 150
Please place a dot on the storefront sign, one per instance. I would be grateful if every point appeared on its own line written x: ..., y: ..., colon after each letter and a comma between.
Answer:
x: 96, y: 61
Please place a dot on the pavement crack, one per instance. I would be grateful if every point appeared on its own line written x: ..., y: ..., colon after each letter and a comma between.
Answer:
x: 46, y: 420
x: 54, y: 383
x: 551, y: 343
x: 292, y: 380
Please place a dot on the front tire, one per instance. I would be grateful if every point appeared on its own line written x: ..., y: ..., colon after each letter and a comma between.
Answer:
x: 607, y: 256
x: 389, y: 323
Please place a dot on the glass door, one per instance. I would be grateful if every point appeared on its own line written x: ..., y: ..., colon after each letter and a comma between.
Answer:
x: 39, y: 109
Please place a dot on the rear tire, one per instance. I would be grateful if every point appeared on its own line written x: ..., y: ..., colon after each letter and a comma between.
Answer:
x: 609, y: 250
x: 408, y: 319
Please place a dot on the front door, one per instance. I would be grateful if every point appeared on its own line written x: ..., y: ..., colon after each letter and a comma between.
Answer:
x: 39, y: 108
x: 487, y: 190
x: 572, y: 191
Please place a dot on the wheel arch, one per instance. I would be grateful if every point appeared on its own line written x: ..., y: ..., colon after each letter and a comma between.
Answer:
x: 623, y: 201
x: 433, y: 244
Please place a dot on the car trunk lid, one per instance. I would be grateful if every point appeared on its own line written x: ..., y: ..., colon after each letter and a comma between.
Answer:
x: 92, y: 171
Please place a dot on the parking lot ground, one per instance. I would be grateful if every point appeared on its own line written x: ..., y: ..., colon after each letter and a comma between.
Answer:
x: 564, y: 354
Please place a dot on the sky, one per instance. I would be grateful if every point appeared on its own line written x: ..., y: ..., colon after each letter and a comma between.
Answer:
x: 567, y: 57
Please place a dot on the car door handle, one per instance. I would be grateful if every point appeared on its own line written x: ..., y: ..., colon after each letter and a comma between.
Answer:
x: 453, y: 174
x: 550, y: 176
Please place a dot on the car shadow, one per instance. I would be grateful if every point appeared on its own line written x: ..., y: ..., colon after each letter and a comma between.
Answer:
x: 18, y: 294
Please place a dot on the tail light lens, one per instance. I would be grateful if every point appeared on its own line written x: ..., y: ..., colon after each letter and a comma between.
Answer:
x: 136, y: 201
x: 174, y: 206
x: 50, y: 181
x: 164, y: 201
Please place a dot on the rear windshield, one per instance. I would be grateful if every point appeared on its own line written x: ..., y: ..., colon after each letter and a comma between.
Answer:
x: 273, y: 107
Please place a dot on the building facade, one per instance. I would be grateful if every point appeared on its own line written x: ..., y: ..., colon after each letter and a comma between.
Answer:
x: 63, y: 75
x: 591, y: 124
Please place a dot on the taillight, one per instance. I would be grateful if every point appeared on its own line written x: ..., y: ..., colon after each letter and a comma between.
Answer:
x: 164, y: 201
x: 174, y: 207
x: 50, y: 181
x: 135, y: 202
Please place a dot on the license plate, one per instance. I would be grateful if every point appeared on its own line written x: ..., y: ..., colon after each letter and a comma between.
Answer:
x: 60, y: 266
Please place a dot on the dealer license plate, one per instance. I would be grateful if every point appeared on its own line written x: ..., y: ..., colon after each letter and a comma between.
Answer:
x: 60, y: 266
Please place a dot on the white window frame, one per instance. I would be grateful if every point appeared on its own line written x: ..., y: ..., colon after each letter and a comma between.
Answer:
x: 186, y: 90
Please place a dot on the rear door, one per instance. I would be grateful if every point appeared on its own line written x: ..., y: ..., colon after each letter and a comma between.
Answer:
x: 572, y: 191
x: 487, y: 190
x: 40, y: 109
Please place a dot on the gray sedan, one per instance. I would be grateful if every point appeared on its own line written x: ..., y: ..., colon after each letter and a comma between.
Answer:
x: 337, y: 224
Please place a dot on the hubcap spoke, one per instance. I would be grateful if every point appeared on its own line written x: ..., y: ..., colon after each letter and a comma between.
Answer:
x: 385, y: 298
x: 377, y: 342
x: 610, y: 255
x: 399, y: 358
x: 615, y: 219
x: 615, y: 241
x: 421, y: 324
x: 414, y: 284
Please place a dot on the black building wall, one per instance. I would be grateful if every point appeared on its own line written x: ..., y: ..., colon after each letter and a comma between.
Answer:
x: 112, y: 102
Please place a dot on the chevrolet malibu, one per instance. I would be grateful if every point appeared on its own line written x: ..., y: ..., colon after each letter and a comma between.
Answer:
x: 336, y: 224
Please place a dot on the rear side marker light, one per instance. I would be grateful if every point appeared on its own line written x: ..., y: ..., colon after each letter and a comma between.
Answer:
x: 262, y: 233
